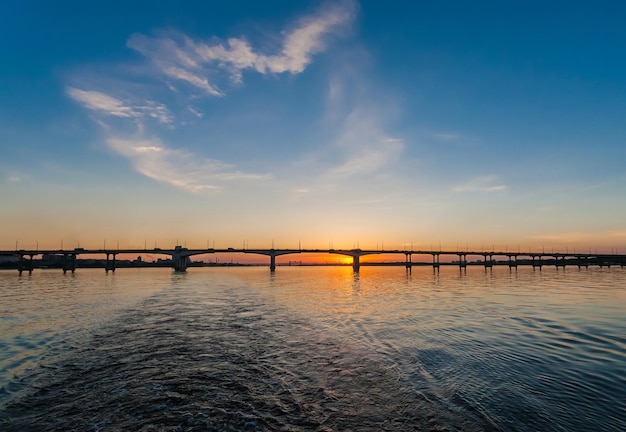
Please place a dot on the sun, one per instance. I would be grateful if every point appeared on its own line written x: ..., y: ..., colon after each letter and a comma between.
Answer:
x: 342, y: 259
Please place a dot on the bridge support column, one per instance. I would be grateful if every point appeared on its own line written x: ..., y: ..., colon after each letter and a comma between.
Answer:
x: 272, y: 263
x: 110, y: 264
x: 408, y: 261
x: 488, y: 262
x: 356, y: 263
x: 179, y: 263
x: 26, y: 265
x: 462, y: 260
x: 512, y: 262
x: 435, y: 260
x: 69, y: 263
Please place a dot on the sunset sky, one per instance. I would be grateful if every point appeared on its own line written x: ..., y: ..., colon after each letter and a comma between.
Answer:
x: 431, y: 123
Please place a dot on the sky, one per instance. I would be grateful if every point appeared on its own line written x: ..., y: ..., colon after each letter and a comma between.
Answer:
x: 446, y: 124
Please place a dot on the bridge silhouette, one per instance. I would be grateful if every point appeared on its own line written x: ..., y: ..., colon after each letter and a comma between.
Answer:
x: 181, y: 257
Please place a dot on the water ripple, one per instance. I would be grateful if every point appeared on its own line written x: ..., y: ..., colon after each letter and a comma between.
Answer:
x: 315, y: 349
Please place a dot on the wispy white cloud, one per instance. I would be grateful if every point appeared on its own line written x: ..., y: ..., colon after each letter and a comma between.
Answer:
x: 196, y: 62
x: 368, y: 157
x: 484, y: 184
x: 306, y: 39
x: 192, y: 78
x: 156, y: 111
x: 179, y: 168
x: 14, y: 178
x: 106, y: 104
x: 175, y: 58
x: 362, y: 146
x: 102, y: 102
x: 195, y: 112
x: 335, y: 90
x: 358, y: 115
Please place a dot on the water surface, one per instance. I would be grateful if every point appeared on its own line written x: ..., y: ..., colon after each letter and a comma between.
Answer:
x: 314, y: 349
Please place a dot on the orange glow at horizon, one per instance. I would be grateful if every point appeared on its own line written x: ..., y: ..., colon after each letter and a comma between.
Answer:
x: 606, y: 242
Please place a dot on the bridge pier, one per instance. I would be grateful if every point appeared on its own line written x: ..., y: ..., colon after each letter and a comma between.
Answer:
x: 512, y: 262
x: 179, y: 263
x: 356, y: 263
x: 436, y: 260
x: 272, y: 263
x: 488, y: 262
x: 69, y: 263
x: 180, y: 259
x: 356, y: 255
x: 560, y: 262
x: 26, y: 265
x: 408, y: 261
x: 462, y: 260
x: 272, y: 253
x: 539, y: 264
x: 110, y: 264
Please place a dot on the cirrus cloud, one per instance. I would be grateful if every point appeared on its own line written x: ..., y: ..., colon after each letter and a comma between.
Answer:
x: 179, y: 168
x: 109, y: 105
x: 197, y: 63
x: 483, y: 184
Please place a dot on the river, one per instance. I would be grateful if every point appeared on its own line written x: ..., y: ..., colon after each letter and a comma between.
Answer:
x: 314, y: 348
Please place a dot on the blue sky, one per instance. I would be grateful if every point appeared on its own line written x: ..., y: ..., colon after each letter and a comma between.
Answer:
x: 454, y: 123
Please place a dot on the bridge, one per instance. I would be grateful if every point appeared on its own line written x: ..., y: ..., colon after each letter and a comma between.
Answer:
x: 180, y: 257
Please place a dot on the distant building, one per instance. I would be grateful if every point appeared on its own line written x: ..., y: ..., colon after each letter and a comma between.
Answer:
x: 51, y: 259
x: 9, y: 259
